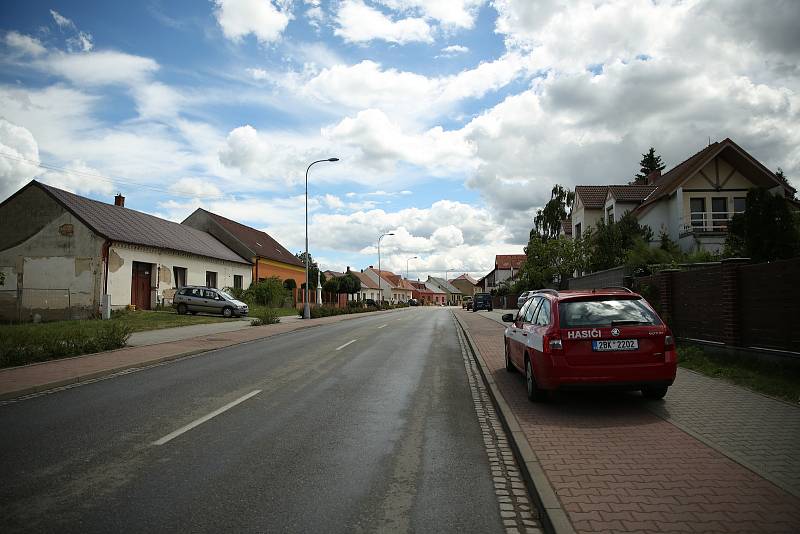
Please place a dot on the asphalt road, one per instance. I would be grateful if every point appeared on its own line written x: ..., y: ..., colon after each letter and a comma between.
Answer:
x: 362, y: 426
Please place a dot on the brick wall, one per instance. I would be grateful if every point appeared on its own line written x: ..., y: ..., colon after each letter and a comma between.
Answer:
x: 696, y: 310
x: 769, y: 296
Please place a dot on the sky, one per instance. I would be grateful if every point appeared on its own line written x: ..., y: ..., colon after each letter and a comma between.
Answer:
x: 452, y: 119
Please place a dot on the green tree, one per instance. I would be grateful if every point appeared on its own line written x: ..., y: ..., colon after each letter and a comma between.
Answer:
x: 313, y: 269
x: 331, y: 286
x: 547, y: 222
x: 610, y: 242
x: 349, y: 284
x: 268, y: 292
x: 550, y: 261
x: 650, y: 162
x: 766, y: 231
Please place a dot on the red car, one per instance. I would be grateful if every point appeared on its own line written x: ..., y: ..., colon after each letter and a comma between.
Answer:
x: 607, y: 337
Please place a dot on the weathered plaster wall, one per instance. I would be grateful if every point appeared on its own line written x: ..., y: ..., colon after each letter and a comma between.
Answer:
x: 122, y: 256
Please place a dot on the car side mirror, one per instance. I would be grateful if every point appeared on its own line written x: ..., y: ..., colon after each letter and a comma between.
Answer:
x: 508, y: 317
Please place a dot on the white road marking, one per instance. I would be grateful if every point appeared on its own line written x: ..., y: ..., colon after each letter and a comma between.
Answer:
x: 349, y: 342
x: 383, y: 326
x: 198, y: 422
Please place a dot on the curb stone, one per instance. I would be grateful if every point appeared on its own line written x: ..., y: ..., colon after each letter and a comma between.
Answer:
x: 553, y: 517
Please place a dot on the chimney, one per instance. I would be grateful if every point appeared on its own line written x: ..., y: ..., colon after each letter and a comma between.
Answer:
x: 348, y: 269
x: 119, y: 200
x: 370, y: 267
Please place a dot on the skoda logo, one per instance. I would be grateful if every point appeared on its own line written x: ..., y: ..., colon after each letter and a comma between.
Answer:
x: 615, y: 331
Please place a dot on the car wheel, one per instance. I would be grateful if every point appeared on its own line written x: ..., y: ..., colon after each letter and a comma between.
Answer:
x: 509, y: 366
x: 227, y: 311
x: 534, y: 393
x: 490, y: 309
x: 181, y: 309
x: 655, y: 393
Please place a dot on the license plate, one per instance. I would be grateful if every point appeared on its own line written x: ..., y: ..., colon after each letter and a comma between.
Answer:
x: 615, y: 344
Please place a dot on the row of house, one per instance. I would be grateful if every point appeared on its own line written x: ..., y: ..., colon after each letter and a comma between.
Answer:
x: 61, y: 251
x: 396, y: 289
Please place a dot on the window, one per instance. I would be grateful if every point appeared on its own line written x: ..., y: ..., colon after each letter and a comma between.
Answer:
x: 530, y: 312
x: 604, y: 312
x: 610, y: 214
x: 180, y: 276
x: 739, y: 204
x: 543, y: 315
x: 211, y: 279
x: 578, y: 231
x: 719, y: 212
x: 524, y: 309
x: 697, y: 209
x: 237, y: 281
x: 208, y: 294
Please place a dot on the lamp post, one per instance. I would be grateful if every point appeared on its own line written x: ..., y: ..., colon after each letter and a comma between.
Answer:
x: 411, y: 258
x: 306, y: 307
x: 380, y: 291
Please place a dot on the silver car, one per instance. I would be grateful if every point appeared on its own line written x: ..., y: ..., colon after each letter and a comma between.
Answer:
x: 194, y: 299
x: 523, y: 298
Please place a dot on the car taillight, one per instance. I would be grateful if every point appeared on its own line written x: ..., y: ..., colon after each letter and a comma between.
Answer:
x: 669, y: 342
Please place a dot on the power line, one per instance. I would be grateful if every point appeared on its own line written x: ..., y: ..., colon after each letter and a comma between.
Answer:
x: 113, y: 181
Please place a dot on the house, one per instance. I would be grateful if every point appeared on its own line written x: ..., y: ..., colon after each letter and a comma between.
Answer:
x: 506, y: 267
x: 466, y: 284
x: 369, y: 288
x: 268, y: 257
x: 61, y: 253
x: 692, y: 203
x: 393, y: 291
x: 454, y: 295
x: 427, y: 294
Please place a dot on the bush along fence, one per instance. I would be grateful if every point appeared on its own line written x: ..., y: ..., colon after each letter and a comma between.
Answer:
x: 733, y: 303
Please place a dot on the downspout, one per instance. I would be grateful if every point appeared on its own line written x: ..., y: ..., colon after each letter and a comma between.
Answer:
x: 104, y: 252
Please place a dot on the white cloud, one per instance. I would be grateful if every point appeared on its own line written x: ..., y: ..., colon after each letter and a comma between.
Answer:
x: 19, y: 160
x: 262, y: 18
x: 157, y: 101
x: 195, y: 188
x: 99, y: 68
x: 78, y: 177
x: 258, y: 74
x: 449, y: 13
x: 359, y: 23
x: 80, y: 41
x: 62, y: 21
x: 24, y: 44
x: 453, y: 50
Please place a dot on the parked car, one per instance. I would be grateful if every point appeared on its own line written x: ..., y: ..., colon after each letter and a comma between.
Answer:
x: 193, y: 299
x: 466, y: 302
x: 482, y: 301
x: 413, y: 302
x: 371, y: 303
x: 523, y: 297
x: 590, y: 338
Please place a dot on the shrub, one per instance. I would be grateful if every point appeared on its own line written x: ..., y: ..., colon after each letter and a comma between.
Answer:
x: 30, y: 343
x: 269, y: 292
x: 255, y: 321
x: 264, y: 315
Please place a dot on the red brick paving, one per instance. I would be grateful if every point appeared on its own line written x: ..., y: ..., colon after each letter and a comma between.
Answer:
x: 617, y: 467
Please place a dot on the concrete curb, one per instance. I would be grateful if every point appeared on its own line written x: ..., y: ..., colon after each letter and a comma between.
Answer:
x: 39, y: 388
x: 553, y: 517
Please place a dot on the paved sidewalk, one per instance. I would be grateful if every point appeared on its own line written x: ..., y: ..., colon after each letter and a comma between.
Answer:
x: 617, y: 466
x: 30, y: 379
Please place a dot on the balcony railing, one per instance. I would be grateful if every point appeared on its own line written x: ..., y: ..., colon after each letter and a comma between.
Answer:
x: 707, y: 221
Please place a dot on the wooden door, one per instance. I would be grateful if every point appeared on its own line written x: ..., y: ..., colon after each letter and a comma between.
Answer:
x: 140, y: 285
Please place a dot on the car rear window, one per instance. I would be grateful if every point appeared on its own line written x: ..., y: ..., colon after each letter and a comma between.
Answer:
x: 604, y: 312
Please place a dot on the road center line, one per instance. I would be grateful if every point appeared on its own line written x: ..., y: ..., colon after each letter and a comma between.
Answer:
x: 349, y: 342
x: 198, y: 422
x: 383, y: 326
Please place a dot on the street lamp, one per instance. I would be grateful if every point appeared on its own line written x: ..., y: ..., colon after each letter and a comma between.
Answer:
x: 411, y: 258
x: 306, y: 307
x: 380, y: 291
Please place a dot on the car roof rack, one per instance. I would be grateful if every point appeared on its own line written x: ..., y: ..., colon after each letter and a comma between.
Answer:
x: 622, y: 288
x: 547, y: 290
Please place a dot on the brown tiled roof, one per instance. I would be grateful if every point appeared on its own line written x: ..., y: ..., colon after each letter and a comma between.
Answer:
x: 592, y: 196
x: 260, y: 243
x: 509, y: 261
x: 631, y: 193
x: 468, y: 278
x: 125, y: 225
x: 366, y: 281
x: 566, y: 227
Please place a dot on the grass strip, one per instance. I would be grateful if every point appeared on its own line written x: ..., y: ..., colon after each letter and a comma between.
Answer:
x: 771, y: 376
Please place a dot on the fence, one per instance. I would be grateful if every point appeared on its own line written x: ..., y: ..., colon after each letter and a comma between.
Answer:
x: 732, y: 303
x: 33, y: 304
x: 607, y: 278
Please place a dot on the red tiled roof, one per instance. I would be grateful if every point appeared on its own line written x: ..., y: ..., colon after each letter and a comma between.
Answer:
x: 509, y: 261
x: 592, y: 196
x: 260, y: 243
x: 366, y: 281
x: 631, y: 193
x: 468, y: 278
x: 566, y: 227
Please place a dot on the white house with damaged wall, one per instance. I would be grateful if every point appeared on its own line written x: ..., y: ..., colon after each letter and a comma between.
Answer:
x: 60, y: 253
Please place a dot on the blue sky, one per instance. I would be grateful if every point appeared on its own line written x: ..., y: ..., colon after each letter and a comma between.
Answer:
x: 452, y: 119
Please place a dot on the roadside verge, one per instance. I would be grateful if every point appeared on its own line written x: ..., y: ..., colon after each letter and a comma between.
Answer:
x: 553, y: 517
x: 16, y: 382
